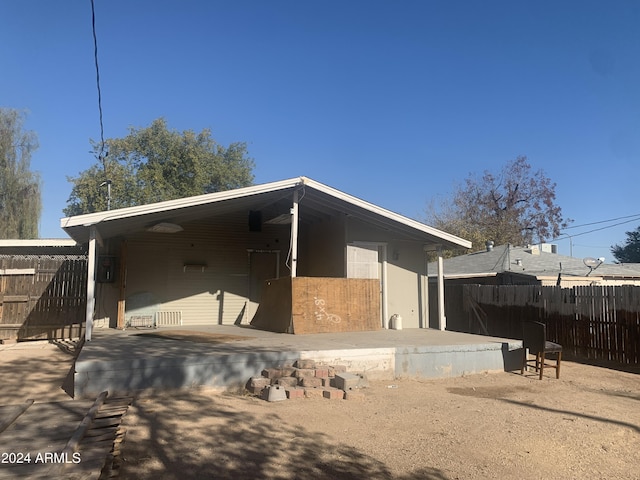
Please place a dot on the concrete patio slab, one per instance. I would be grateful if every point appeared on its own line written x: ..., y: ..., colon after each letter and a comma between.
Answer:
x: 227, y: 356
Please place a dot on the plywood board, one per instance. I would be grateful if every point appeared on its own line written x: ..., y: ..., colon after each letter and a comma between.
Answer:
x: 323, y: 305
x: 274, y: 312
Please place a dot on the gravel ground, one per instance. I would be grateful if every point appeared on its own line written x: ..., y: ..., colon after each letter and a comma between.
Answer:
x: 499, y: 425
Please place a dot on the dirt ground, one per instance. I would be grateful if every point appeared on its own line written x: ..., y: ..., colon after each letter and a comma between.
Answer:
x: 502, y: 425
x: 499, y: 425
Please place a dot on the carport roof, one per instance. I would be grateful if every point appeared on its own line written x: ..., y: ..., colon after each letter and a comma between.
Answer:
x: 315, y: 198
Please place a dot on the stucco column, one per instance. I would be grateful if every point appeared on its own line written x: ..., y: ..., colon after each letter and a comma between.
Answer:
x: 442, y: 319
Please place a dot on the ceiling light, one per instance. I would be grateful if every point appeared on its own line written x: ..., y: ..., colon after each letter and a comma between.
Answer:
x: 165, y: 227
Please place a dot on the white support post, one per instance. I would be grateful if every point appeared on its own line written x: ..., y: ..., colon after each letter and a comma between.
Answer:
x: 383, y: 285
x: 91, y: 282
x: 425, y: 292
x: 294, y: 235
x: 442, y: 319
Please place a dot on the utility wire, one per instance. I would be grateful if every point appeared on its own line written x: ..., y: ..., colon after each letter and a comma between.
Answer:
x: 101, y: 152
x: 596, y: 229
x: 637, y: 215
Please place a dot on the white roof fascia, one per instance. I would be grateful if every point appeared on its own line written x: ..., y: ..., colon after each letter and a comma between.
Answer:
x: 386, y: 213
x: 568, y: 277
x: 95, y: 218
x: 620, y: 276
x: 454, y: 276
x: 88, y: 219
x: 39, y: 242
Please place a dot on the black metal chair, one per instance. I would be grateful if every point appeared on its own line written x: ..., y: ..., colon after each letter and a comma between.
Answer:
x: 534, y: 342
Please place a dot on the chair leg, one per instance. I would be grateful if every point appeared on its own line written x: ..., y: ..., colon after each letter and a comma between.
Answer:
x: 537, y: 361
x: 558, y: 365
x: 541, y: 364
x: 524, y: 361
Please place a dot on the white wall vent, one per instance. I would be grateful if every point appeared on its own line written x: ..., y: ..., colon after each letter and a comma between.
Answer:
x: 168, y: 319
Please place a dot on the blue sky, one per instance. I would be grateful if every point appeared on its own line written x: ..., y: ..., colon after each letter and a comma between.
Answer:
x: 392, y: 101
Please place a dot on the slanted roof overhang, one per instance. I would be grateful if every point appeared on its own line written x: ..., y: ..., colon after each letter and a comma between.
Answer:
x: 316, y: 200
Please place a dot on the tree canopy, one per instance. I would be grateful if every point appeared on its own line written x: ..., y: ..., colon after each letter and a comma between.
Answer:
x: 20, y: 199
x: 155, y: 163
x: 629, y: 252
x: 515, y: 205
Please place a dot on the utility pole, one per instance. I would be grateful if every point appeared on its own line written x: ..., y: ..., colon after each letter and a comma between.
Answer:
x: 108, y: 184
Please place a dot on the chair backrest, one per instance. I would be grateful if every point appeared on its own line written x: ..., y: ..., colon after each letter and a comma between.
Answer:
x: 534, y: 335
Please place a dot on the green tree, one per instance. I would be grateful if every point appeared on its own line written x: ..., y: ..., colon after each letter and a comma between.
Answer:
x: 516, y: 206
x: 630, y: 251
x: 20, y: 199
x: 154, y: 164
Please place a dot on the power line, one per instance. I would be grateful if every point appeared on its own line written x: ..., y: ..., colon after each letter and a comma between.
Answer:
x: 598, y: 229
x: 637, y: 215
x: 101, y: 153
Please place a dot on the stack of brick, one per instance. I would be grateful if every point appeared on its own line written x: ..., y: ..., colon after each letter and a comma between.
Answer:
x: 305, y: 379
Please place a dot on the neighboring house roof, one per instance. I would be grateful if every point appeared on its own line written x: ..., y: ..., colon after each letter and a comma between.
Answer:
x: 39, y: 242
x: 316, y: 199
x: 41, y: 246
x: 532, y: 261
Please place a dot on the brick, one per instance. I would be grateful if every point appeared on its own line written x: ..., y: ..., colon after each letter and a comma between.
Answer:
x: 311, y: 382
x: 305, y: 364
x: 354, y: 395
x: 339, y: 369
x: 256, y: 384
x: 305, y: 373
x: 333, y: 394
x: 294, y: 393
x: 272, y: 373
x: 287, y: 381
x: 326, y: 382
x: 322, y: 372
x: 288, y: 371
x: 313, y: 392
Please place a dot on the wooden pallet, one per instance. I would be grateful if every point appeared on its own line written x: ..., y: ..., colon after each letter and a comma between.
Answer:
x: 74, y: 439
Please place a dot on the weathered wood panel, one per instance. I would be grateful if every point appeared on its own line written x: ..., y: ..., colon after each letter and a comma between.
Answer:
x: 42, y: 296
x: 304, y: 305
x: 274, y: 311
x: 593, y: 322
x: 322, y: 305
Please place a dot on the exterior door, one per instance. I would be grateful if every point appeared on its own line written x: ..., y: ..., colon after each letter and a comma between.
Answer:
x: 369, y: 260
x: 263, y: 265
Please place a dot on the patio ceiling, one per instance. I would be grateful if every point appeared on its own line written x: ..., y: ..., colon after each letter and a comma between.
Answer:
x: 316, y: 202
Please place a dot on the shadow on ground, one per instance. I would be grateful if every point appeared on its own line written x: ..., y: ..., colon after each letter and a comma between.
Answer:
x: 40, y: 372
x: 211, y: 440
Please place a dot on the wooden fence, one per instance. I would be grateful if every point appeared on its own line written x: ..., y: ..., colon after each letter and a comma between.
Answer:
x: 593, y: 322
x: 42, y: 296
